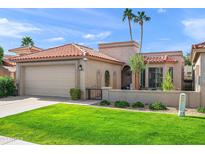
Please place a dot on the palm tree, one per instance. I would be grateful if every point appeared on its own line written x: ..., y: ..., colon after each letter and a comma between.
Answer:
x: 140, y: 19
x: 27, y: 41
x: 129, y: 15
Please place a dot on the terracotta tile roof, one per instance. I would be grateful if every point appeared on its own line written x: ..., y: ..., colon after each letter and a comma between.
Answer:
x: 199, y: 46
x: 8, y: 62
x: 178, y: 52
x: 31, y: 48
x: 68, y: 50
x: 159, y: 59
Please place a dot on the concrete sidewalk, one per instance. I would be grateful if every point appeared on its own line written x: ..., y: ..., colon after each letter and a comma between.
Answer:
x: 11, y: 141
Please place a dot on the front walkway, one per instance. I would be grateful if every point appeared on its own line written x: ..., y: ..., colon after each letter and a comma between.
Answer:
x: 11, y: 141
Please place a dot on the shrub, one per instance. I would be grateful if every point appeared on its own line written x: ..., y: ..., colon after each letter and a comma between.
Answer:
x: 167, y: 83
x: 75, y: 93
x: 122, y: 104
x: 105, y: 102
x: 138, y: 105
x: 7, y: 87
x: 157, y: 106
x: 201, y: 109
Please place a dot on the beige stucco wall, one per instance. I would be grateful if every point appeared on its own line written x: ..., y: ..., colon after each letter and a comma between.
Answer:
x: 202, y: 79
x: 94, y: 66
x: 197, y: 69
x: 177, y: 76
x: 120, y: 50
x: 5, y: 72
x: 170, y: 98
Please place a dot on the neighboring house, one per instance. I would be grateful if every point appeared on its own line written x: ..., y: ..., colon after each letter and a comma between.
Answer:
x: 8, y: 68
x: 52, y: 72
x: 198, y: 61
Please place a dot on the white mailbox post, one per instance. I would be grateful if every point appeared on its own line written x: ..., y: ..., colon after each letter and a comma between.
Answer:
x: 182, y: 104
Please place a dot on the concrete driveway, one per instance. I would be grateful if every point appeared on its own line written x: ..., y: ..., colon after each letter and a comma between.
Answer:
x: 14, y: 105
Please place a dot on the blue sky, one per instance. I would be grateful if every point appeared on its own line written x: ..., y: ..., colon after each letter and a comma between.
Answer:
x: 169, y: 29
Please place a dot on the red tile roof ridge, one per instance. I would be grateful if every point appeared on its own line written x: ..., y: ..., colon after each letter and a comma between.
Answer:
x: 158, y: 52
x: 82, y: 50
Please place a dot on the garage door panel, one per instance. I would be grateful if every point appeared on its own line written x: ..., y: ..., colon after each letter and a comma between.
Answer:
x: 50, y: 80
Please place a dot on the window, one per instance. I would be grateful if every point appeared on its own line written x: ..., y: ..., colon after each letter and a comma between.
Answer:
x: 171, y: 71
x: 142, y: 79
x: 107, y: 79
x: 155, y: 77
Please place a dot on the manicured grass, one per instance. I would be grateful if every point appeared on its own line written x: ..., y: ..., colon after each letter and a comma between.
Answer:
x: 75, y: 124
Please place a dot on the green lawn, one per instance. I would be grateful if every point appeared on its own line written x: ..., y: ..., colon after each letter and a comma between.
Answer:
x: 75, y: 124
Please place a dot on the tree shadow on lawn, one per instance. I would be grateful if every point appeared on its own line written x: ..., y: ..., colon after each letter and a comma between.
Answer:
x: 196, y: 117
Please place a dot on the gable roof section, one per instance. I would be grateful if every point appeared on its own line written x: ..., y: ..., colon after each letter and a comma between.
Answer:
x: 64, y: 51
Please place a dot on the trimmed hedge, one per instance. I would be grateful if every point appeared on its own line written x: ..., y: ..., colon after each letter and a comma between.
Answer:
x: 7, y: 87
x: 122, y: 104
x: 138, y: 105
x: 105, y: 103
x: 75, y: 93
x: 201, y: 109
x: 157, y: 106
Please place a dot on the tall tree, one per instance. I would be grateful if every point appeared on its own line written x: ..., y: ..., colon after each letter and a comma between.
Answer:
x: 27, y: 41
x: 140, y: 18
x: 136, y: 63
x: 187, y: 60
x: 1, y: 55
x: 128, y: 15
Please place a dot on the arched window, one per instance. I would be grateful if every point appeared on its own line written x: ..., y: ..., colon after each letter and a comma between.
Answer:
x: 107, y: 78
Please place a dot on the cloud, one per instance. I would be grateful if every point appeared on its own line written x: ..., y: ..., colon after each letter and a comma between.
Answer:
x: 15, y: 29
x: 55, y: 39
x: 194, y: 28
x: 161, y: 10
x: 100, y: 36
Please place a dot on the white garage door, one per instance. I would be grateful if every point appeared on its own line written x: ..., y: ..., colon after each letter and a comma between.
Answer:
x: 50, y: 80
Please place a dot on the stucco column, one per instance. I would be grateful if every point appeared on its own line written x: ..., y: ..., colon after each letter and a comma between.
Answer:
x: 82, y: 79
x: 146, y: 76
x: 19, y: 79
x: 202, y: 80
x: 105, y: 93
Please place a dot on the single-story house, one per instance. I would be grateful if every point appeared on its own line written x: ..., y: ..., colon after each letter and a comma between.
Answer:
x: 52, y: 72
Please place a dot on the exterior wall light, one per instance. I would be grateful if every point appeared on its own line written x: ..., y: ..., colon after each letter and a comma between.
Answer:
x: 80, y: 67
